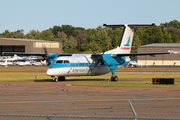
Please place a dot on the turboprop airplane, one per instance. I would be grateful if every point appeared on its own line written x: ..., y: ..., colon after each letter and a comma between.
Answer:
x: 61, y: 65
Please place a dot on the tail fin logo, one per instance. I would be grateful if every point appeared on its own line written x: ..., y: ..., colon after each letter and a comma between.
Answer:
x: 127, y: 44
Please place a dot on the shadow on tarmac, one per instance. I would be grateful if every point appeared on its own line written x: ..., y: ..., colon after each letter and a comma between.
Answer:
x: 50, y: 80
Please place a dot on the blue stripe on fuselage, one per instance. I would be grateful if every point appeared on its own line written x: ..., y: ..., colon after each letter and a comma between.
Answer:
x: 72, y: 65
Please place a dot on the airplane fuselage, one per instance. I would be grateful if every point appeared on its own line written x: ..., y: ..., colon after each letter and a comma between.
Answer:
x: 80, y: 65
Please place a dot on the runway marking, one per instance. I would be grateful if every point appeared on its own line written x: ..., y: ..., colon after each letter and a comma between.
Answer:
x: 89, y: 100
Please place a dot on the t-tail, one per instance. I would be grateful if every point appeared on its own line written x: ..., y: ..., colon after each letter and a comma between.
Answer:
x: 125, y: 41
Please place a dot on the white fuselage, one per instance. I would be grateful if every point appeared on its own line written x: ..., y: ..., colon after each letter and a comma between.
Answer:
x: 77, y: 66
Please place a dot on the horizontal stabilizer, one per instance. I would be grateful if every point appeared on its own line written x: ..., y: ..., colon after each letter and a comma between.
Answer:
x: 139, y: 54
x: 132, y: 25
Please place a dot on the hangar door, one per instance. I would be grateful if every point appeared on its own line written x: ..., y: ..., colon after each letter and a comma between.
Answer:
x: 11, y: 48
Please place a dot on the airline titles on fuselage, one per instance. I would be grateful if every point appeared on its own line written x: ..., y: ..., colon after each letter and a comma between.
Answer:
x: 78, y: 70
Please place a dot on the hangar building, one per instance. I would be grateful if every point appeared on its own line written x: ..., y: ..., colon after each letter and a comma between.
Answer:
x: 29, y: 46
x: 166, y: 59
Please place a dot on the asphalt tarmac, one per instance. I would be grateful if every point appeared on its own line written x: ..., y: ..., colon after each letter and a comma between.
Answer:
x: 58, y: 98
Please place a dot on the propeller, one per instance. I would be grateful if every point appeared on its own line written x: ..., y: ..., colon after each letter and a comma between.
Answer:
x: 46, y: 57
x: 99, y: 58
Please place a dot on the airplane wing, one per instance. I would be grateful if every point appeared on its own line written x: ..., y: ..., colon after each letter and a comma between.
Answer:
x: 48, y: 57
x: 32, y: 54
x: 24, y: 54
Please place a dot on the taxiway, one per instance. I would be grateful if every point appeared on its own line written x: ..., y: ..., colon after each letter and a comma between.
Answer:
x: 58, y: 98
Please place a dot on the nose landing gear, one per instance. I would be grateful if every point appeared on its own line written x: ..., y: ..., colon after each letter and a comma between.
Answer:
x: 55, y: 78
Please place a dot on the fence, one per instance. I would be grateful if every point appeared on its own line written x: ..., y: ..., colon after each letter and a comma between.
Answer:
x: 4, y: 116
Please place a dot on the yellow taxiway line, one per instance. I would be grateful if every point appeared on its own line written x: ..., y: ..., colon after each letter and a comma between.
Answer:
x: 108, y: 100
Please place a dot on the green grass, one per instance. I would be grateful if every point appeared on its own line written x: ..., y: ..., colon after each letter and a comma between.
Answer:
x: 22, y: 76
x: 132, y: 76
x: 134, y: 84
x: 148, y: 69
x: 23, y: 68
x: 137, y: 79
x: 42, y: 75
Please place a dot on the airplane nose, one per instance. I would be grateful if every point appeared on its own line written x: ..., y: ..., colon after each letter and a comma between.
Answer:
x: 49, y: 72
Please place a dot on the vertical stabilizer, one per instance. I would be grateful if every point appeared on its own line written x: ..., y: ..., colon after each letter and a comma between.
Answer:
x: 125, y: 42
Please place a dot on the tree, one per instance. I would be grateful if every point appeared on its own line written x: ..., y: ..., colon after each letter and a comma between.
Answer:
x: 56, y: 29
x: 46, y: 35
x: 174, y: 32
x: 76, y: 32
x: 136, y: 43
x: 32, y: 34
x: 66, y: 43
x: 71, y: 43
x: 15, y: 34
x: 167, y: 38
x: 99, y: 36
x: 94, y: 47
x: 5, y: 33
x: 174, y: 23
x: 115, y: 36
x: 79, y: 39
x: 151, y: 35
x: 68, y: 29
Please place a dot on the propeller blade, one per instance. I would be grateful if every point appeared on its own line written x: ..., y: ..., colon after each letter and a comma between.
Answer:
x: 47, y: 58
x: 95, y: 65
x: 92, y: 51
x: 99, y: 58
x: 105, y: 50
x: 105, y: 62
x: 45, y: 51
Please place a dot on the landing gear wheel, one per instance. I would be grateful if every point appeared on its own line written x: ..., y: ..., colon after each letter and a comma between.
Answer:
x: 114, y: 78
x: 61, y: 78
x: 54, y: 79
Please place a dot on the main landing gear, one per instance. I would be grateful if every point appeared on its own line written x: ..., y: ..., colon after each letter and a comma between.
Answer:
x: 114, y: 78
x: 55, y: 79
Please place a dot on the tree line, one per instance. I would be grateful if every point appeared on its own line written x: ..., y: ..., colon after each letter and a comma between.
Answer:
x: 78, y: 39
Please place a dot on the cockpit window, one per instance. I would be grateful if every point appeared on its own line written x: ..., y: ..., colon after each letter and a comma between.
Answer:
x: 59, y: 61
x: 62, y: 62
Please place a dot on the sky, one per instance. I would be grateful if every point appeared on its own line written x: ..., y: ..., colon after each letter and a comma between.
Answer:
x: 44, y: 14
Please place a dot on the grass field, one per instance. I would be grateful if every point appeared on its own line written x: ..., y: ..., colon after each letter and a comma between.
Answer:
x: 15, y: 76
x: 22, y: 76
x: 136, y: 84
x: 23, y: 68
x: 148, y: 69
